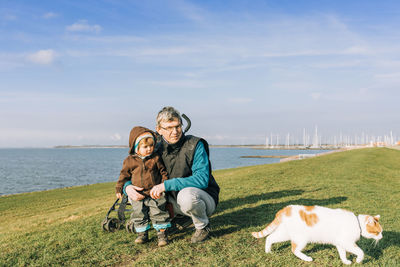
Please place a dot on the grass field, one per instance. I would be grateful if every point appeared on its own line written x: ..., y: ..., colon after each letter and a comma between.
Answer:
x: 62, y: 226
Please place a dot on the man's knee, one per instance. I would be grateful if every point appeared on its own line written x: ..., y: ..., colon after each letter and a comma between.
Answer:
x: 188, y: 199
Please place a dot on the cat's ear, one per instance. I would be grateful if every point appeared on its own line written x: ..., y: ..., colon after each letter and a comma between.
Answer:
x: 369, y: 219
x: 377, y: 217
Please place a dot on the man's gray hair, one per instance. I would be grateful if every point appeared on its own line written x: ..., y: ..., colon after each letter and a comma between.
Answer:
x: 168, y: 114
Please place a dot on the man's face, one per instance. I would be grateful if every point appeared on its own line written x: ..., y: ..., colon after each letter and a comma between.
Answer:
x: 170, y: 130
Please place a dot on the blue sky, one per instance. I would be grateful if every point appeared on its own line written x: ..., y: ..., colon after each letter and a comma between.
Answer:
x: 86, y: 72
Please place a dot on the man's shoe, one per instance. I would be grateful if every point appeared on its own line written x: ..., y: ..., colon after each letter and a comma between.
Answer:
x: 142, y: 237
x: 201, y: 234
x: 162, y: 237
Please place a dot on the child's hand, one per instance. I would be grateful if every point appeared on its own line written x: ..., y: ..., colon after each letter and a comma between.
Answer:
x: 132, y: 193
x: 119, y: 195
x: 157, y: 191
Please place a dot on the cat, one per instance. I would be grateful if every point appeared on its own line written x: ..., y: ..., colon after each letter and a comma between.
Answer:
x: 315, y: 224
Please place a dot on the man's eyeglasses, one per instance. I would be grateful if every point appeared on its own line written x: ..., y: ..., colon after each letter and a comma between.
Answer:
x: 171, y: 128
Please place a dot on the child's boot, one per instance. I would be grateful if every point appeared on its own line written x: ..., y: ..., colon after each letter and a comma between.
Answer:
x: 162, y: 237
x: 142, y: 237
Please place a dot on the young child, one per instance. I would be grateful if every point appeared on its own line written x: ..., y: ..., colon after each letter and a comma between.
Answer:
x: 145, y: 169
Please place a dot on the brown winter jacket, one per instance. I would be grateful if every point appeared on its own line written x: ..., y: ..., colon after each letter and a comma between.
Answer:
x: 144, y: 173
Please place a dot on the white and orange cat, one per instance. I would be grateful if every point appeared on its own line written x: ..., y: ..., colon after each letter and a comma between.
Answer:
x: 315, y: 224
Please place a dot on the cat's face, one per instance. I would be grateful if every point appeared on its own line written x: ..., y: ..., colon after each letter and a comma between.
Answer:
x: 371, y: 227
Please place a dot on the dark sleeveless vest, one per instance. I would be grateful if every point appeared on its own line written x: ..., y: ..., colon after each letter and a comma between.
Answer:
x: 178, y: 159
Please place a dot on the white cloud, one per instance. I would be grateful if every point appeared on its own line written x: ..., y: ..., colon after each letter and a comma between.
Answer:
x: 240, y: 100
x: 50, y: 15
x: 43, y: 57
x: 357, y: 50
x: 354, y: 50
x: 83, y: 26
x: 296, y: 53
x: 192, y: 12
x: 338, y: 64
x: 36, y: 97
x: 316, y: 95
x: 387, y: 80
x: 116, y: 137
x: 9, y: 17
x: 179, y: 84
x: 394, y: 75
x: 219, y: 137
x: 351, y: 95
x: 130, y: 39
x: 171, y: 51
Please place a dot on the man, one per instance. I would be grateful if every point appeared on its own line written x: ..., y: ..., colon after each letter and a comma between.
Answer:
x: 192, y: 189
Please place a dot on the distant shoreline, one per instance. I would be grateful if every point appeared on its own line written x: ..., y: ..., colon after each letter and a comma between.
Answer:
x: 92, y: 146
x: 213, y: 146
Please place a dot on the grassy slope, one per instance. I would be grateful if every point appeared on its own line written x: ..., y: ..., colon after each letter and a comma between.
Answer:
x: 63, y: 226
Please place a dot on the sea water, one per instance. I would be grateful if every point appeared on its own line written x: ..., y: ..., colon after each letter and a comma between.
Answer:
x: 36, y: 169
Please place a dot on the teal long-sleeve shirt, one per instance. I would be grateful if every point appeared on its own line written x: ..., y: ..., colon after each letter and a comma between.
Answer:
x: 200, y: 173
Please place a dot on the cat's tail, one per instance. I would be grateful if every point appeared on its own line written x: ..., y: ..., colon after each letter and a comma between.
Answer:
x: 267, y: 230
x: 274, y: 224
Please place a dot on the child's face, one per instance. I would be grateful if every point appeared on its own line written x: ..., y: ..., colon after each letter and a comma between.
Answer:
x: 145, y: 150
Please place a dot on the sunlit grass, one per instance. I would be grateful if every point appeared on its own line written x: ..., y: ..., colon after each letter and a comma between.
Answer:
x: 62, y: 226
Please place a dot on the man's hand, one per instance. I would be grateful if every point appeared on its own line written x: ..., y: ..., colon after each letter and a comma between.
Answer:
x: 157, y: 190
x: 119, y: 195
x: 131, y: 190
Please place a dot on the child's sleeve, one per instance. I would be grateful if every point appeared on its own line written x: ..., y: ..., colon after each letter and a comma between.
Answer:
x: 124, y: 176
x: 162, y: 169
x: 125, y: 185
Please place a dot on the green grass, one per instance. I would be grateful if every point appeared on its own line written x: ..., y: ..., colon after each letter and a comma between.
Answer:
x: 62, y: 226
